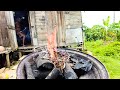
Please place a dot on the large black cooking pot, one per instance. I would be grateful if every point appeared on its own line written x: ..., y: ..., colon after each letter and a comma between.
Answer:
x: 98, y: 70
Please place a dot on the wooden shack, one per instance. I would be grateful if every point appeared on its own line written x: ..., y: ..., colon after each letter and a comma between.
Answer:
x: 40, y: 23
x: 7, y: 34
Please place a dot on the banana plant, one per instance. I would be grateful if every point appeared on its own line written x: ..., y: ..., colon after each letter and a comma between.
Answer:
x: 106, y: 23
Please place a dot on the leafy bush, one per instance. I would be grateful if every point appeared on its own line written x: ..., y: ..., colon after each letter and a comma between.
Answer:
x: 113, y: 49
x: 108, y: 54
x: 97, y: 32
x: 118, y: 35
x: 99, y: 48
x: 108, y: 32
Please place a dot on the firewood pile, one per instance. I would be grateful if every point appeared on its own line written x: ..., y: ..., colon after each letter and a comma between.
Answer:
x: 42, y: 67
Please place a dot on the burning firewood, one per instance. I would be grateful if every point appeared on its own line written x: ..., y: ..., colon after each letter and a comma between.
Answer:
x: 29, y: 73
x: 53, y: 74
x: 71, y: 65
x: 52, y: 45
x: 69, y: 72
x: 52, y: 63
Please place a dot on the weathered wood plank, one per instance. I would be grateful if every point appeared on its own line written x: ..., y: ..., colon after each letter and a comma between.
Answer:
x: 1, y: 41
x: 40, y: 26
x: 33, y: 28
x: 8, y: 60
x: 4, y: 38
x: 73, y: 19
x: 11, y: 29
x: 46, y: 20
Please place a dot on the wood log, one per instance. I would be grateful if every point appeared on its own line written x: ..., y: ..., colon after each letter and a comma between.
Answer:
x: 29, y: 72
x: 53, y: 74
x: 69, y: 72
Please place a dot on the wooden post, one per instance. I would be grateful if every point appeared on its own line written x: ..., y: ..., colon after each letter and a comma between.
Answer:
x: 8, y: 60
x: 60, y: 19
x: 33, y: 30
x: 20, y: 54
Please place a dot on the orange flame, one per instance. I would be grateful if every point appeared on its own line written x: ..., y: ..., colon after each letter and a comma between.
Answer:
x: 52, y: 44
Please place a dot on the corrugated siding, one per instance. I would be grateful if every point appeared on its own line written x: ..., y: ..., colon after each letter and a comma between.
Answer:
x: 4, y: 38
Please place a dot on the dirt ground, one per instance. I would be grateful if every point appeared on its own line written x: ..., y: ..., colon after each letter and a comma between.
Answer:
x: 10, y: 73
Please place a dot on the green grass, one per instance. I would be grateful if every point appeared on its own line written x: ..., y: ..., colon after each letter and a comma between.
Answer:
x: 108, y: 53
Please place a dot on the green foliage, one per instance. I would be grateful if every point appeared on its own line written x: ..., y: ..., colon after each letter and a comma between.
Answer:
x: 115, y: 26
x: 108, y: 54
x: 118, y: 35
x: 95, y: 33
x: 112, y: 49
x: 107, y: 21
x: 111, y: 35
x: 104, y: 43
x: 98, y: 32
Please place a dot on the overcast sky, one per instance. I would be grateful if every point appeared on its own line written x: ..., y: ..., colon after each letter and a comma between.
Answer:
x: 91, y: 18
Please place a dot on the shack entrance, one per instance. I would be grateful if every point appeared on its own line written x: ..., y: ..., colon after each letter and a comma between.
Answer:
x: 21, y: 19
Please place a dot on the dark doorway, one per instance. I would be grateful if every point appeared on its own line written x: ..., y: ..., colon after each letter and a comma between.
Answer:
x: 21, y: 19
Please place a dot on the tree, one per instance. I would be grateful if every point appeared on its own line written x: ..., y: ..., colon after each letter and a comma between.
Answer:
x: 115, y: 27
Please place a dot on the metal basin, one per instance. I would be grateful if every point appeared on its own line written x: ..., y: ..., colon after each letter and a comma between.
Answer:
x: 98, y: 70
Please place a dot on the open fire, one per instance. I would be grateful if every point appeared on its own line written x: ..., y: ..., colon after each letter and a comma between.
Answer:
x: 77, y: 65
x: 58, y: 58
x: 58, y: 63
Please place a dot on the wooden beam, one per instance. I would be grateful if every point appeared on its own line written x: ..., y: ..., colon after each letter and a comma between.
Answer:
x: 33, y: 30
x: 20, y: 54
x: 8, y: 60
x: 3, y: 52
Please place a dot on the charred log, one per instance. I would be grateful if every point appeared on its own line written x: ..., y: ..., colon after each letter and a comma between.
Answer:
x: 29, y: 72
x: 69, y: 72
x: 78, y: 66
x: 53, y: 74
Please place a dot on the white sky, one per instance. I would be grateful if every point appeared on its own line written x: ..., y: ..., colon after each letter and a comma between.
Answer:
x: 90, y: 18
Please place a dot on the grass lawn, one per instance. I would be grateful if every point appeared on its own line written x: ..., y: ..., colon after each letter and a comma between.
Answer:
x: 108, y: 53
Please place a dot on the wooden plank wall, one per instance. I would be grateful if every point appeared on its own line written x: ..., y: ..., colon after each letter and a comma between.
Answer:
x: 54, y: 18
x: 11, y: 29
x: 4, y: 38
x: 46, y: 20
x: 40, y: 27
x: 73, y: 19
x: 33, y: 30
x: 61, y: 31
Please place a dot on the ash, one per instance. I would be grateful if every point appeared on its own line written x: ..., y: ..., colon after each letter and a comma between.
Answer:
x: 69, y: 66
